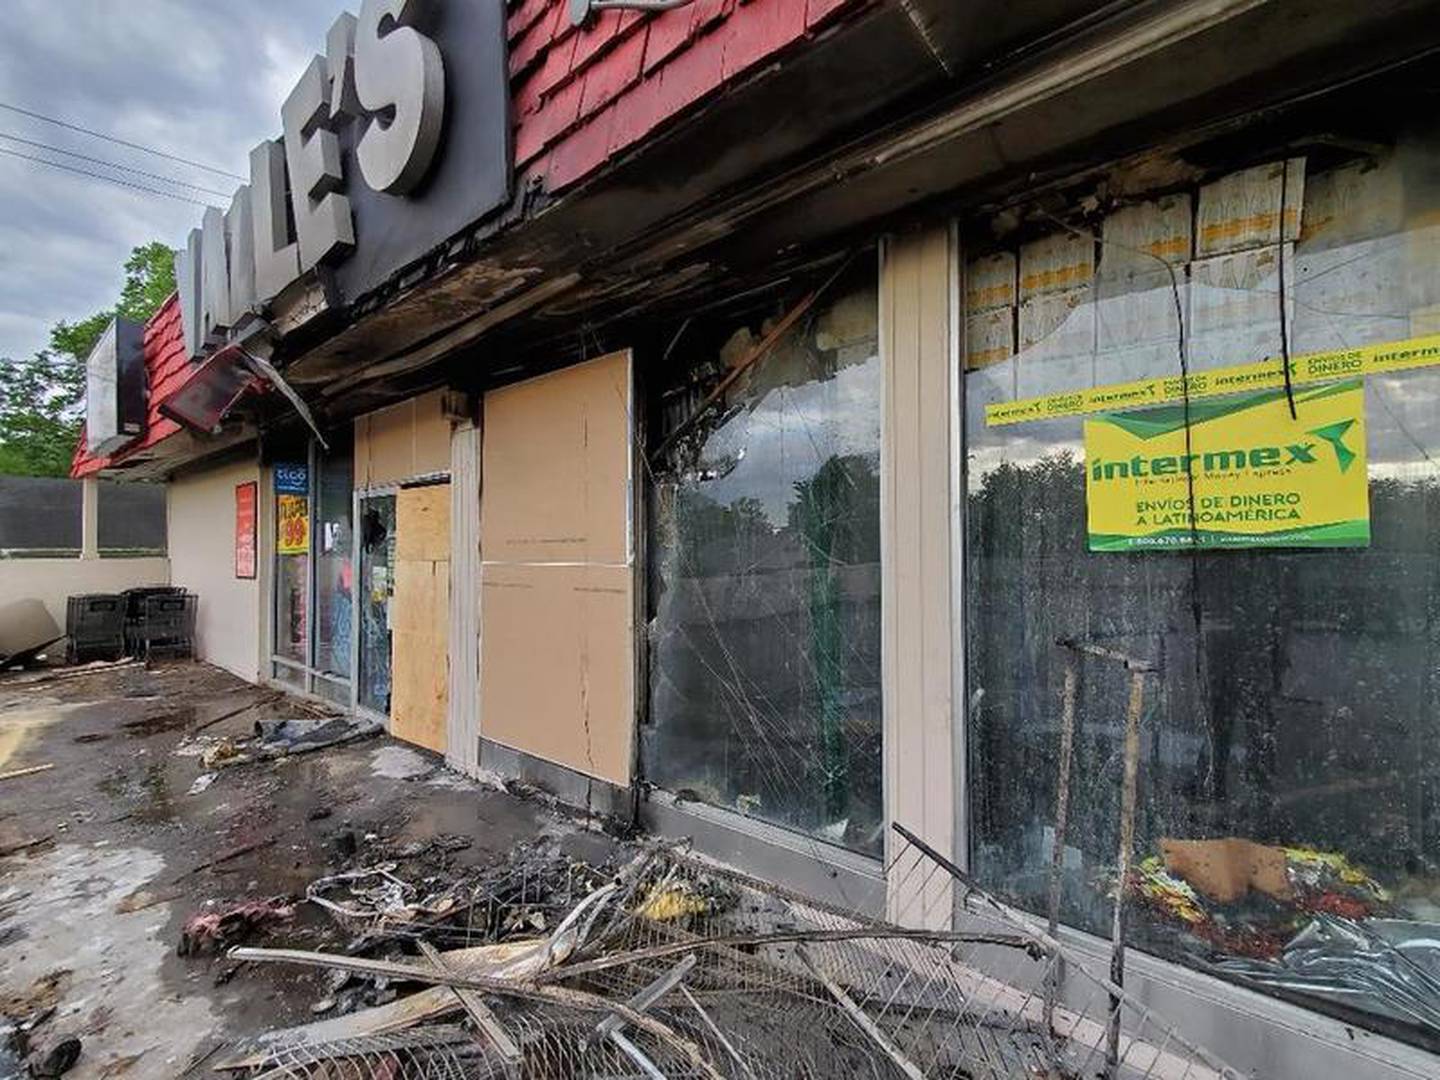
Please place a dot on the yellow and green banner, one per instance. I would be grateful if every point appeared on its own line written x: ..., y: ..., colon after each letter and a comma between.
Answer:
x: 1264, y: 375
x: 1257, y: 477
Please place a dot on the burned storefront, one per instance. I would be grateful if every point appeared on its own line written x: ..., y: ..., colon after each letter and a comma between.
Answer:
x: 824, y: 417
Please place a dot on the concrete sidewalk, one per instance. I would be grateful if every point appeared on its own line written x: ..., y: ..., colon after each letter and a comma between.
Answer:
x: 108, y: 855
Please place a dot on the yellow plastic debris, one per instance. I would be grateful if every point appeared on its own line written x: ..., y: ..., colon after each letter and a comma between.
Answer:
x: 665, y: 904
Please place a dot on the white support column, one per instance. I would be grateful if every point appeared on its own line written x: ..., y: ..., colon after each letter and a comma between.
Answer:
x: 89, y: 518
x: 462, y: 718
x: 917, y: 532
x: 265, y: 567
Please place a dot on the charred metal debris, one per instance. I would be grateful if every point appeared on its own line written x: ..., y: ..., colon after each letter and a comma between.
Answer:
x: 665, y: 965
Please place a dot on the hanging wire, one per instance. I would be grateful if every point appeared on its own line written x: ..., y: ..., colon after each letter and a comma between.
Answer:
x: 1182, y: 352
x: 118, y: 141
x: 1280, y: 292
x: 110, y: 164
x: 100, y: 176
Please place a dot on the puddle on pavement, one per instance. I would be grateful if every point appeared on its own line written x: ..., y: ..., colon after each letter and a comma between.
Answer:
x: 400, y: 763
x: 158, y: 805
x: 116, y: 999
x: 114, y: 783
x: 154, y: 725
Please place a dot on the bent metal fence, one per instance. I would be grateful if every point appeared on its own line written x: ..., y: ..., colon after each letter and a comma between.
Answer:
x: 681, y: 968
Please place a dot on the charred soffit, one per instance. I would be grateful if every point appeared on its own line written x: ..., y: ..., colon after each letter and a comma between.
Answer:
x: 778, y: 244
x: 1266, y: 57
x: 649, y: 212
x: 731, y: 195
x: 725, y: 145
x: 1361, y: 120
x: 855, y: 77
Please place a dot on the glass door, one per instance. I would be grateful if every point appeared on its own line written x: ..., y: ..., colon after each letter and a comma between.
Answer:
x: 314, y: 579
x: 376, y: 587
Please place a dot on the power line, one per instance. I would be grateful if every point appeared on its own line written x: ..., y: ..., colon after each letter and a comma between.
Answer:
x: 111, y: 164
x: 100, y: 176
x: 118, y: 141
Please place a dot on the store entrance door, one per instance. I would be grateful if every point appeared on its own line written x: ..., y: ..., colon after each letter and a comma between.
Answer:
x: 373, y: 595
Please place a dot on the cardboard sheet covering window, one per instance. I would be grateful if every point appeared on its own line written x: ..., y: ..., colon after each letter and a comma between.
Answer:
x: 556, y: 595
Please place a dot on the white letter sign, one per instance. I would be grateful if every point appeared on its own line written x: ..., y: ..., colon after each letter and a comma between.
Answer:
x: 400, y: 78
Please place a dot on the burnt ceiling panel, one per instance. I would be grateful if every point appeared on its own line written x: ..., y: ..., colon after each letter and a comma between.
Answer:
x: 795, y: 160
x: 967, y: 38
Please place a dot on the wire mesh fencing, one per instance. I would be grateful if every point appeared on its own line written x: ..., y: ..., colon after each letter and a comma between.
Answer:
x: 434, y: 1052
x: 683, y: 968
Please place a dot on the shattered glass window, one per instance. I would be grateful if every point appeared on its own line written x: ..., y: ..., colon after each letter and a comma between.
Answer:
x: 764, y: 544
x: 1288, y: 826
x: 334, y: 572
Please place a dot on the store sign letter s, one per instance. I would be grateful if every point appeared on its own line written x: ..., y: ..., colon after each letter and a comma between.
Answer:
x: 377, y: 67
x: 400, y: 79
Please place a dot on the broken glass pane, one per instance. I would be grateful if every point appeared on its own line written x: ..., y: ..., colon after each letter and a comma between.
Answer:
x: 1288, y: 826
x: 765, y: 548
x: 334, y: 573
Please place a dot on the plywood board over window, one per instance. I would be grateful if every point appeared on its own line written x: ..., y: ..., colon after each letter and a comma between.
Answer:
x: 420, y: 619
x: 556, y: 596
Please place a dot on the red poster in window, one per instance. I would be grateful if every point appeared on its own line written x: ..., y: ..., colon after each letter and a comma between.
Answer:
x: 245, y: 501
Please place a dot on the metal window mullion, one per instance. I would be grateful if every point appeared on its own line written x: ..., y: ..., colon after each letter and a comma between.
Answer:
x: 312, y: 567
x: 355, y: 586
x: 959, y: 647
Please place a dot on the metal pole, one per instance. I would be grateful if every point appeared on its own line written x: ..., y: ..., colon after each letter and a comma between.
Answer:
x: 1062, y: 819
x: 1062, y: 795
x: 1127, y: 842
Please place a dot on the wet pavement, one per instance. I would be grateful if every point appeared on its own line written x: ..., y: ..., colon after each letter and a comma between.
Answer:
x: 104, y: 856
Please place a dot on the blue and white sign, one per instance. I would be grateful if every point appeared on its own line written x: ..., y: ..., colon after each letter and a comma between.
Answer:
x: 292, y: 479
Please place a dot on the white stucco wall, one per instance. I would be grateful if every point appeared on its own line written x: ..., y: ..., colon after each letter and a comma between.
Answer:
x: 202, y: 559
x: 51, y: 581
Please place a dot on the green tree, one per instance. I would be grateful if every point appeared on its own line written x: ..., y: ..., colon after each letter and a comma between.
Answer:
x: 149, y: 281
x: 41, y: 399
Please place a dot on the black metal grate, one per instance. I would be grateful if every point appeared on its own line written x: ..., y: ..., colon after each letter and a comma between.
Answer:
x: 161, y: 623
x: 95, y: 625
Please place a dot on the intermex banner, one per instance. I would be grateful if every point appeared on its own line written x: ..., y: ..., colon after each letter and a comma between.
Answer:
x: 1257, y: 477
x: 1386, y: 357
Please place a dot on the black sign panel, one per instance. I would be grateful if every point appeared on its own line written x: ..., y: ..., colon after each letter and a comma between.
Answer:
x: 471, y: 176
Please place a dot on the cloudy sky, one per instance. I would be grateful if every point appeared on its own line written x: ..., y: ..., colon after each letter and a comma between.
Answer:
x: 201, y: 79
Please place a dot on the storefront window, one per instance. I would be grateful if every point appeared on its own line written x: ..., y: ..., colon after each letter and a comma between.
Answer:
x: 765, y: 549
x: 1288, y: 827
x: 377, y: 589
x: 334, y: 574
x: 314, y: 586
x: 292, y: 560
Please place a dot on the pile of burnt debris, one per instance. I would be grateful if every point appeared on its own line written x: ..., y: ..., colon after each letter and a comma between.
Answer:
x: 661, y: 964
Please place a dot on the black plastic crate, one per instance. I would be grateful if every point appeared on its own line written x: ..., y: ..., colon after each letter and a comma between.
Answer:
x: 135, y: 600
x: 95, y: 625
x: 167, y: 625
